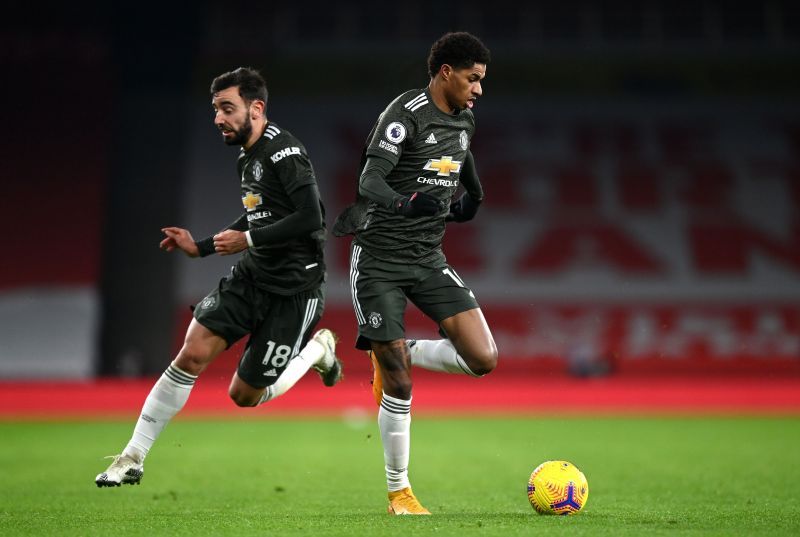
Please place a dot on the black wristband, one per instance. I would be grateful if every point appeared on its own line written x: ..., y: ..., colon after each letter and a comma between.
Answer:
x: 205, y: 247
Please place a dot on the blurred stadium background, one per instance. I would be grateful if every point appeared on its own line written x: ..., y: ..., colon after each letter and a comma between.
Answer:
x: 639, y: 244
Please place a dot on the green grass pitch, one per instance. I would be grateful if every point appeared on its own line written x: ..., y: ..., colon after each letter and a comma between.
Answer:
x: 647, y: 476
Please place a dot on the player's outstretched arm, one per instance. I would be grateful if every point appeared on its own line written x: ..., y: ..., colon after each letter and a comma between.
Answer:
x: 181, y: 239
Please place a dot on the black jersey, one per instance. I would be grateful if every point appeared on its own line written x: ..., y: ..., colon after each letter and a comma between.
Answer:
x: 275, y: 166
x: 428, y: 148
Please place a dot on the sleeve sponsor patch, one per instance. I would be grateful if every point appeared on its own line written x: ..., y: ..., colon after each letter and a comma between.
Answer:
x: 285, y: 152
x: 391, y: 148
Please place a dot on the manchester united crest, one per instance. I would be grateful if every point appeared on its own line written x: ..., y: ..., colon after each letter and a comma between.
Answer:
x: 375, y: 319
x: 463, y: 139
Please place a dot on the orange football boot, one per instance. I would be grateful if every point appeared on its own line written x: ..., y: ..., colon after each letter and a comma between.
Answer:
x: 403, y: 502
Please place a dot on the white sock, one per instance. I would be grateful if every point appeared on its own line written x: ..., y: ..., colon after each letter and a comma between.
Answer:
x: 166, y: 399
x: 394, y: 420
x: 298, y: 366
x: 438, y: 355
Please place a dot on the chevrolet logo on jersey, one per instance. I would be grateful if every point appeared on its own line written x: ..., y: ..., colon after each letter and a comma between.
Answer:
x: 251, y: 201
x: 443, y: 166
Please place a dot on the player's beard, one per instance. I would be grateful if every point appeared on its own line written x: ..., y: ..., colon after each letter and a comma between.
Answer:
x: 241, y: 135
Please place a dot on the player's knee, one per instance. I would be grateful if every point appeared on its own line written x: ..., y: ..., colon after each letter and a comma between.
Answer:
x: 483, y: 361
x: 241, y: 398
x: 398, y: 387
x: 191, y: 360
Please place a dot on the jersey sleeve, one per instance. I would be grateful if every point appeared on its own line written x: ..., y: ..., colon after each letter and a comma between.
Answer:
x: 396, y: 126
x: 293, y: 167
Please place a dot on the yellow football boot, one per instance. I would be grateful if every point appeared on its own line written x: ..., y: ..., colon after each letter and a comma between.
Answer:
x: 403, y: 502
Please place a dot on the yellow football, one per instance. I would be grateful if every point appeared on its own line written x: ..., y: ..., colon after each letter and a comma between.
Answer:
x: 557, y: 488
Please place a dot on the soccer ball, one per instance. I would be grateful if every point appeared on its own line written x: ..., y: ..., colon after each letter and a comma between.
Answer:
x: 557, y: 488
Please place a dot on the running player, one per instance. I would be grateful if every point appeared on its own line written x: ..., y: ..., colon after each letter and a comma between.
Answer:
x: 275, y: 292
x: 415, y: 157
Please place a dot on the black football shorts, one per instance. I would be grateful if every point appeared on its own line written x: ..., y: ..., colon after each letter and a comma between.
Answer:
x: 381, y: 289
x: 279, y: 326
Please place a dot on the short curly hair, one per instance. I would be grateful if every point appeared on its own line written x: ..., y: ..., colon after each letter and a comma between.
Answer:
x: 458, y: 49
x: 250, y: 82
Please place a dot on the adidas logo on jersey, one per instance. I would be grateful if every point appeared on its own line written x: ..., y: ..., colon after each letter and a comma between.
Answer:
x: 271, y: 373
x: 431, y: 139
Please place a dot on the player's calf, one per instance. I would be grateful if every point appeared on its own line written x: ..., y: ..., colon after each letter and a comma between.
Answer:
x: 394, y: 362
